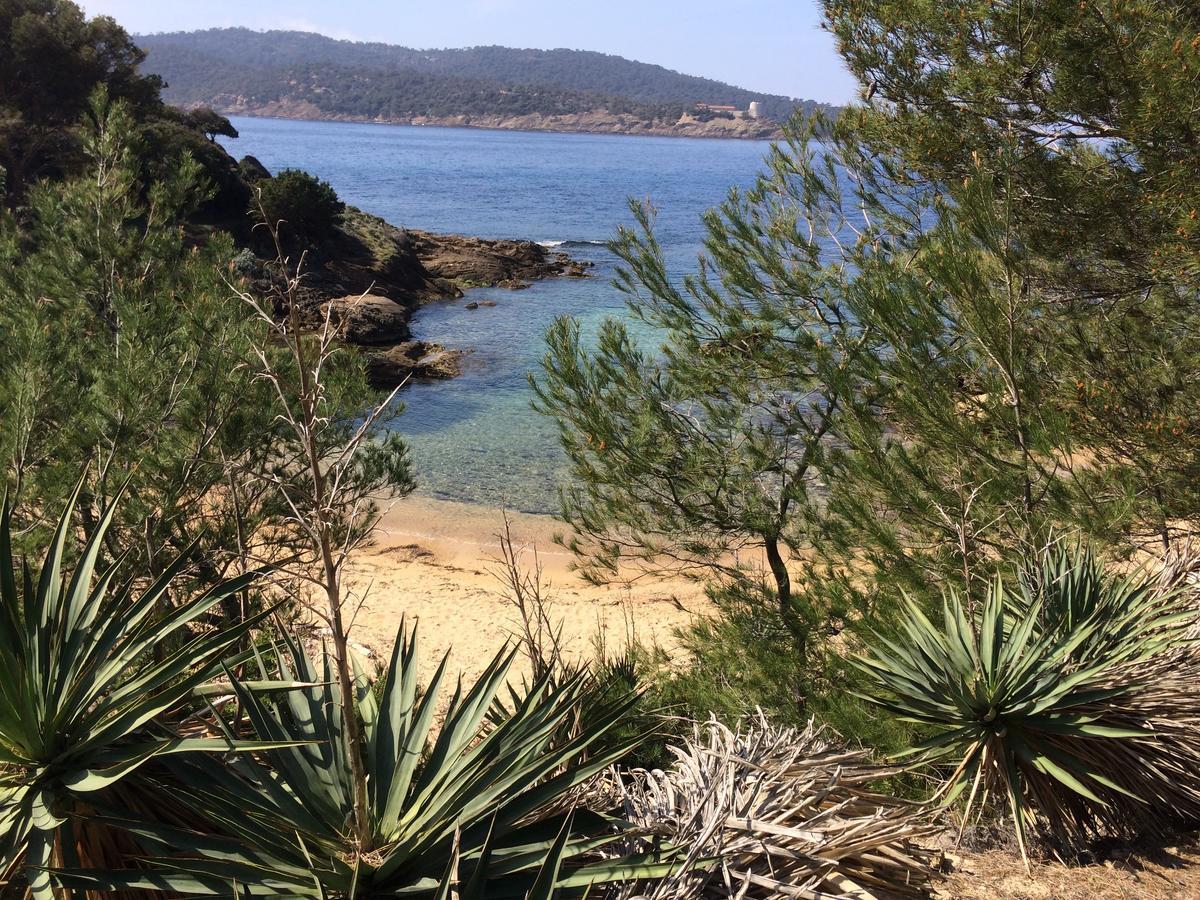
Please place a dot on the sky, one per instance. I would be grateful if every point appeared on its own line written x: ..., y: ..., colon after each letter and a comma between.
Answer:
x: 773, y: 46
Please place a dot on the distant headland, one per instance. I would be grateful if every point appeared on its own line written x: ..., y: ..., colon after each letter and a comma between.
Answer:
x: 298, y: 75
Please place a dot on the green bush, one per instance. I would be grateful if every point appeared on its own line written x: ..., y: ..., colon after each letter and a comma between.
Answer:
x: 308, y: 207
x: 743, y: 659
x: 454, y: 796
x: 1069, y: 698
x: 86, y: 682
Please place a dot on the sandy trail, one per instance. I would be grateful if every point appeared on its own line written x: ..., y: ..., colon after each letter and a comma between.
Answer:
x: 433, y: 562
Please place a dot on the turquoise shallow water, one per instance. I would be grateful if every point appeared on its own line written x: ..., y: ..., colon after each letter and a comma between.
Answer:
x: 475, y: 438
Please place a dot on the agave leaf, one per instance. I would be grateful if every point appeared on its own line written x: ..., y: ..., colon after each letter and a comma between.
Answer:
x: 163, y: 881
x: 260, y: 687
x: 632, y: 868
x: 41, y: 809
x: 529, y: 855
x: 475, y: 888
x: 246, y: 873
x: 1044, y: 763
x: 1016, y: 804
x: 489, y: 784
x: 448, y: 880
x: 312, y: 776
x: 214, y: 847
x: 49, y: 590
x: 1084, y: 727
x: 79, y: 685
x: 258, y: 810
x: 991, y: 633
x: 119, y: 656
x: 144, y: 706
x: 400, y: 736
x: 463, y: 720
x: 76, y: 640
x: 952, y: 737
x: 960, y: 639
x: 108, y: 771
x: 83, y: 605
x: 1101, y: 778
x: 1051, y: 705
x: 547, y: 877
x: 39, y: 857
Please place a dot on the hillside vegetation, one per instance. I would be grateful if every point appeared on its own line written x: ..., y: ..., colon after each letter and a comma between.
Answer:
x: 939, y: 481
x: 236, y: 70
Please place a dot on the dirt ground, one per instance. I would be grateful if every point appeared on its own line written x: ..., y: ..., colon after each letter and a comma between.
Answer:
x: 1159, y: 872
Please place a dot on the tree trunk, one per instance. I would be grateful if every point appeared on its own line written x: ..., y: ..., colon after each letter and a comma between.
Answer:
x: 783, y: 593
x: 355, y: 744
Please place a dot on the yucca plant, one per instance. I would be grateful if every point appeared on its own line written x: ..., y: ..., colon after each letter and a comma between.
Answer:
x: 83, y: 693
x: 1070, y: 698
x: 478, y: 806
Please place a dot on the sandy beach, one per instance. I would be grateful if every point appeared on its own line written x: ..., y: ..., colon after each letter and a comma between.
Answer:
x: 434, y: 562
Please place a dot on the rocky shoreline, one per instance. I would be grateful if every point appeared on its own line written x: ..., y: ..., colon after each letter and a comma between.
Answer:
x: 598, y: 121
x: 373, y: 277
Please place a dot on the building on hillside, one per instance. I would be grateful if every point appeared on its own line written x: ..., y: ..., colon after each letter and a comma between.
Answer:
x: 709, y: 111
x: 755, y: 109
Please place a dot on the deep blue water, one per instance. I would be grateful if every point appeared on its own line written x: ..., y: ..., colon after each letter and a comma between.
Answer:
x: 475, y: 438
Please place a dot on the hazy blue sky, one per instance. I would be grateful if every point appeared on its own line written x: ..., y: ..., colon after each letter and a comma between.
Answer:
x: 773, y: 46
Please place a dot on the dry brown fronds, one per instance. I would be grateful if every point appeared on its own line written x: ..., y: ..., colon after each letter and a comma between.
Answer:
x: 768, y: 812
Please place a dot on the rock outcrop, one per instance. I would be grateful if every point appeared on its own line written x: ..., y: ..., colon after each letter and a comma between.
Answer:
x: 367, y: 319
x: 412, y: 360
x: 370, y: 276
x: 252, y: 170
x: 470, y: 261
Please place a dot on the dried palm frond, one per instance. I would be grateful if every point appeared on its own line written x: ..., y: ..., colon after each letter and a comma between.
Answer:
x: 770, y: 812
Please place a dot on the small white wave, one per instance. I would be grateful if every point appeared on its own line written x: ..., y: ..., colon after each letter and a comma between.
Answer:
x: 554, y: 244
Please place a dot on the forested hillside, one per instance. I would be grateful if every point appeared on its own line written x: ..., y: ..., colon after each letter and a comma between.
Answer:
x: 238, y: 69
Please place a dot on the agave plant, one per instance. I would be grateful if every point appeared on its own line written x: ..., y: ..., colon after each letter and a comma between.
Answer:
x: 481, y: 806
x: 1070, y: 698
x: 82, y: 693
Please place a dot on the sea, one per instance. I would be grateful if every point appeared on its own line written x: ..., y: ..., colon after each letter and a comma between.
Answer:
x: 476, y: 438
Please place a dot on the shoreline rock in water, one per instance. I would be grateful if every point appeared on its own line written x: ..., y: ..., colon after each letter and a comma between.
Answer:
x: 394, y: 366
x: 372, y: 277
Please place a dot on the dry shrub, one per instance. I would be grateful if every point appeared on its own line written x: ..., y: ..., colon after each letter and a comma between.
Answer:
x: 773, y: 812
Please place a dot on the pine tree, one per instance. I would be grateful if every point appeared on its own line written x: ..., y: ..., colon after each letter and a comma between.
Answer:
x: 989, y: 348
x: 1082, y: 118
x: 701, y: 456
x: 1035, y: 382
x: 52, y: 57
x: 129, y: 353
